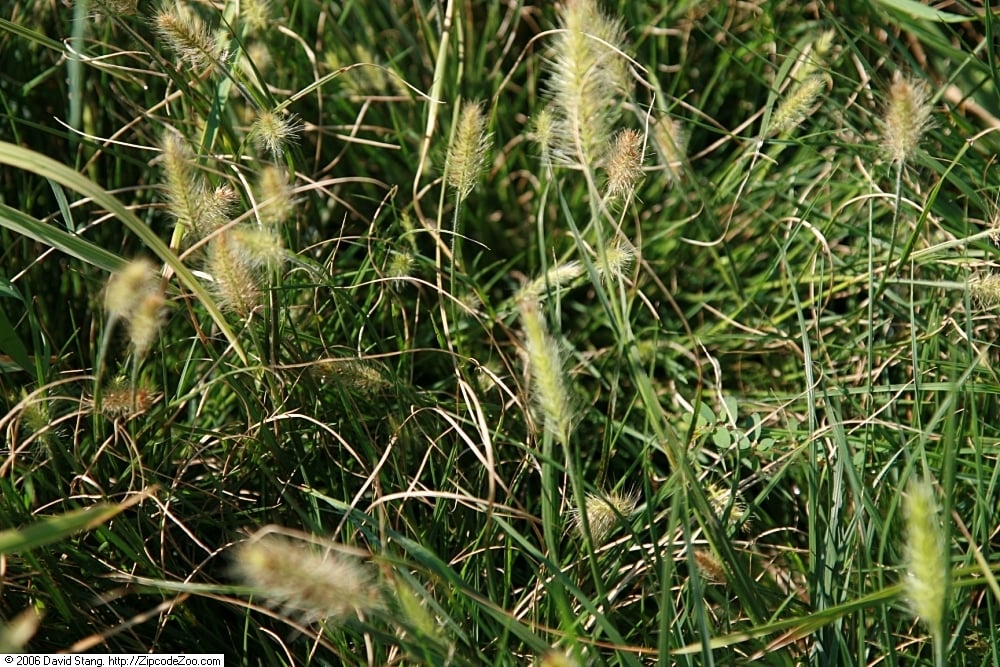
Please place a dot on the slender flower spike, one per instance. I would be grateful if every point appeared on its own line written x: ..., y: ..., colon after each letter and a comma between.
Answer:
x: 726, y: 504
x: 624, y: 165
x: 586, y: 73
x: 907, y: 118
x: 256, y: 14
x: 544, y: 133
x: 796, y: 105
x: 187, y: 36
x: 134, y: 294
x: 555, y: 278
x: 927, y: 571
x: 146, y: 323
x: 185, y: 188
x: 238, y: 282
x: 620, y: 258
x: 468, y: 149
x: 305, y: 582
x: 985, y: 290
x: 546, y: 371
x: 709, y: 566
x: 276, y: 198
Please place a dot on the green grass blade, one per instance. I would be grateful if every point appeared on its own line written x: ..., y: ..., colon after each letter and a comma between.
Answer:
x: 52, y: 236
x: 12, y: 345
x: 56, y: 528
x: 46, y: 167
x: 922, y: 11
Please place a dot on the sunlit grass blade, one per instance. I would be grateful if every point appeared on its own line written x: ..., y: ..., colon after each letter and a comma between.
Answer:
x: 46, y: 167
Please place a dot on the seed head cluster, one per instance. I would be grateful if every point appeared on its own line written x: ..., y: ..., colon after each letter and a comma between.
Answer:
x: 135, y: 296
x: 305, y: 582
x: 545, y: 369
x: 187, y: 36
x: 796, y: 105
x: 624, y: 166
x: 907, y: 118
x: 273, y: 132
x: 927, y: 567
x: 467, y: 151
x: 603, y: 514
x: 586, y: 73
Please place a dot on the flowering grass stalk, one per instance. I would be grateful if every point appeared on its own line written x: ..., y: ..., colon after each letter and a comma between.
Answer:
x: 928, y: 571
x: 545, y: 369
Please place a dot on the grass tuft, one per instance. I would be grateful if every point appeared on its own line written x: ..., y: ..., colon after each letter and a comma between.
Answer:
x: 636, y: 374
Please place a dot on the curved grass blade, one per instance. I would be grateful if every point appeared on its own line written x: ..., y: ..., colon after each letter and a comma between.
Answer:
x: 46, y: 167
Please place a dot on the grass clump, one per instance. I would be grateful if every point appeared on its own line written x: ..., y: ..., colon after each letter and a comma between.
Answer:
x: 582, y: 333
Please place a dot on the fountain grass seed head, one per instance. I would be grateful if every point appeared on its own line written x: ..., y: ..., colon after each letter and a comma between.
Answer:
x: 273, y: 131
x: 907, y: 117
x: 927, y: 568
x: 603, y: 514
x: 545, y: 370
x: 467, y: 152
x: 187, y: 36
x: 586, y: 74
x: 305, y: 582
x: 624, y: 164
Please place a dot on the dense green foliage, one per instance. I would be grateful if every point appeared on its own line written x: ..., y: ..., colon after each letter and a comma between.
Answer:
x: 535, y: 332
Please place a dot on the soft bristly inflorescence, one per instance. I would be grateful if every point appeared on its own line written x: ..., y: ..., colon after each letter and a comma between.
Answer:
x: 256, y: 14
x: 184, y: 187
x: 187, y: 36
x: 261, y: 248
x: 360, y: 376
x: 603, y: 514
x: 237, y: 280
x: 800, y: 97
x: 195, y: 207
x: 555, y: 278
x: 273, y: 132
x: 545, y: 368
x: 624, y: 164
x: 240, y: 261
x: 276, y: 203
x: 126, y: 288
x: 795, y: 106
x: 586, y: 73
x: 619, y: 256
x: 985, y: 290
x: 467, y: 152
x: 709, y: 565
x: 134, y: 294
x: 726, y: 504
x: 927, y: 566
x: 121, y: 400
x: 907, y: 117
x: 145, y: 323
x: 543, y: 133
x: 399, y: 267
x: 305, y: 582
